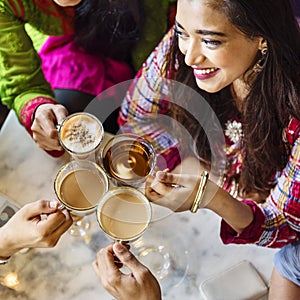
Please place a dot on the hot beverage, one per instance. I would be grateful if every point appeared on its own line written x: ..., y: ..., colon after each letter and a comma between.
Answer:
x: 124, y: 214
x: 80, y: 185
x: 81, y: 133
x: 81, y: 189
x: 128, y: 159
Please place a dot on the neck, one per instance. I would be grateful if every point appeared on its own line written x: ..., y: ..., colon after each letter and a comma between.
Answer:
x: 239, y: 90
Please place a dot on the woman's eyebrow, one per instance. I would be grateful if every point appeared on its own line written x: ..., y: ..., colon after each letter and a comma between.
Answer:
x: 202, y: 31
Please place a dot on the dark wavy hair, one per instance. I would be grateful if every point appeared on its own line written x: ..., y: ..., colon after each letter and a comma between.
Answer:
x: 274, y: 94
x: 110, y: 27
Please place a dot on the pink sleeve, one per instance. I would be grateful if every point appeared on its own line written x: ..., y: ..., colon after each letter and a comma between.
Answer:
x: 27, y: 113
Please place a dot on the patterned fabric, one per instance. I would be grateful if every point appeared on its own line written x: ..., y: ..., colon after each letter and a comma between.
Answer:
x: 29, y: 108
x: 146, y: 96
x: 281, y: 211
x: 277, y: 221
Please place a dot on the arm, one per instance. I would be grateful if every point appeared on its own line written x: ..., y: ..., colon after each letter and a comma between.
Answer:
x: 23, y: 87
x: 277, y: 219
x: 274, y: 223
x: 140, y: 284
x: 27, y: 229
x: 178, y: 191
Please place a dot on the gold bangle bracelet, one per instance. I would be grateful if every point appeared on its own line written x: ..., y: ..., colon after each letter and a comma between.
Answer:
x: 200, y: 191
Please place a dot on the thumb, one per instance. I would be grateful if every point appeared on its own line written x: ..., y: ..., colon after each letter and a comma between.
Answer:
x: 126, y: 257
x: 37, y: 208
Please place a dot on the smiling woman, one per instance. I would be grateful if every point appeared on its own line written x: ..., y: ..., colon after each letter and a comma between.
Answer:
x: 212, y: 47
x: 243, y: 59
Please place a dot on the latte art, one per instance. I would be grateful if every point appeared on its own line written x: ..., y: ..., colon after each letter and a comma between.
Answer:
x: 81, y: 133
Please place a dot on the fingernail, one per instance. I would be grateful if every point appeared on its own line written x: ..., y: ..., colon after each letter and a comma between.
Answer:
x: 52, y: 204
x: 118, y: 247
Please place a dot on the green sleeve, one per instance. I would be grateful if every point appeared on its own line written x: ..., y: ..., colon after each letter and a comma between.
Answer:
x: 38, y: 38
x: 21, y: 76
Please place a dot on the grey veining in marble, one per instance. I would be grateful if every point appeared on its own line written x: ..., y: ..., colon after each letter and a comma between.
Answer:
x: 65, y: 272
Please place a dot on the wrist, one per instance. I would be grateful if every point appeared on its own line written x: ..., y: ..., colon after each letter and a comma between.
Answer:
x: 28, y: 110
x: 7, y: 248
x: 199, y: 199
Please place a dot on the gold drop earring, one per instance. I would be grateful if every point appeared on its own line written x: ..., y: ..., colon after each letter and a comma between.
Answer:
x: 262, y: 61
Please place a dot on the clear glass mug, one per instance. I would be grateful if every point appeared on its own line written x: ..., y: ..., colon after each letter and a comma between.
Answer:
x: 78, y: 185
x: 124, y: 214
x: 81, y: 135
x: 128, y: 159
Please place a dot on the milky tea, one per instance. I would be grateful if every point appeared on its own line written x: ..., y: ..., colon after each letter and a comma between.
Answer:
x: 124, y: 213
x: 79, y: 186
x: 81, y: 134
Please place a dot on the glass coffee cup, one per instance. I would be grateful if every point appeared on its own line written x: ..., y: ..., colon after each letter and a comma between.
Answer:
x: 128, y: 159
x: 78, y: 185
x: 81, y: 135
x: 124, y: 214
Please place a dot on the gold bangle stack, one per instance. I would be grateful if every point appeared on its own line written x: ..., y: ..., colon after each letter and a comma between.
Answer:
x: 200, y: 191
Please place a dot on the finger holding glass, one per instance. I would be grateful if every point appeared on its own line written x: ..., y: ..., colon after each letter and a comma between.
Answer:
x: 139, y: 284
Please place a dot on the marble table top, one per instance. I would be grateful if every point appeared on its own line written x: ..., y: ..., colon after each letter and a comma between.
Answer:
x: 65, y: 272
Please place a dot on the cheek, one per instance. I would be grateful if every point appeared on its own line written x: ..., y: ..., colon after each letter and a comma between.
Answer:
x: 234, y: 61
x: 182, y: 46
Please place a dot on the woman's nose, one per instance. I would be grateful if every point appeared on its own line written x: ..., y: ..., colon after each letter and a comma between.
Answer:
x: 193, y: 54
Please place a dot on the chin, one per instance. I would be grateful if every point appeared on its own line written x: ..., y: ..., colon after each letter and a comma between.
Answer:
x: 67, y: 2
x: 209, y: 88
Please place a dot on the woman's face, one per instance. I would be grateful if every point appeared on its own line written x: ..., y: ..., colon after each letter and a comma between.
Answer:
x: 67, y: 2
x: 217, y: 51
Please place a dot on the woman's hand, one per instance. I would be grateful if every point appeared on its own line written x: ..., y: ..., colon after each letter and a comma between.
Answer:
x: 44, y: 130
x: 38, y: 224
x: 140, y: 284
x: 175, y: 191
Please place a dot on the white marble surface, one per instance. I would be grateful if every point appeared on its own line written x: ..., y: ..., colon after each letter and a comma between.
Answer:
x: 65, y: 272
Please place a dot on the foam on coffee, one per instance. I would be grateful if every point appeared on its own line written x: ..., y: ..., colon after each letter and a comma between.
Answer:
x: 81, y: 133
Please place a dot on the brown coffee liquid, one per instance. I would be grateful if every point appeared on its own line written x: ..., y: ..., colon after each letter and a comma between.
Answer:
x: 127, y: 160
x: 81, y: 189
x: 124, y: 216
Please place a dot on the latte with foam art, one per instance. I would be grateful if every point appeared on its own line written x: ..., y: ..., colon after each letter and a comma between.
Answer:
x: 81, y: 133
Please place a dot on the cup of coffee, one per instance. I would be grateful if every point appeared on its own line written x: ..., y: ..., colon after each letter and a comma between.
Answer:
x: 128, y: 159
x: 124, y: 214
x: 79, y: 185
x: 81, y: 134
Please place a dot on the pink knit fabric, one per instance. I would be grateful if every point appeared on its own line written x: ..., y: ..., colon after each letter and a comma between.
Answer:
x: 67, y: 66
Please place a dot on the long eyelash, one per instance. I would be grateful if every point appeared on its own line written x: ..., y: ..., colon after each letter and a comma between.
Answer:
x: 177, y: 32
x: 209, y: 42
